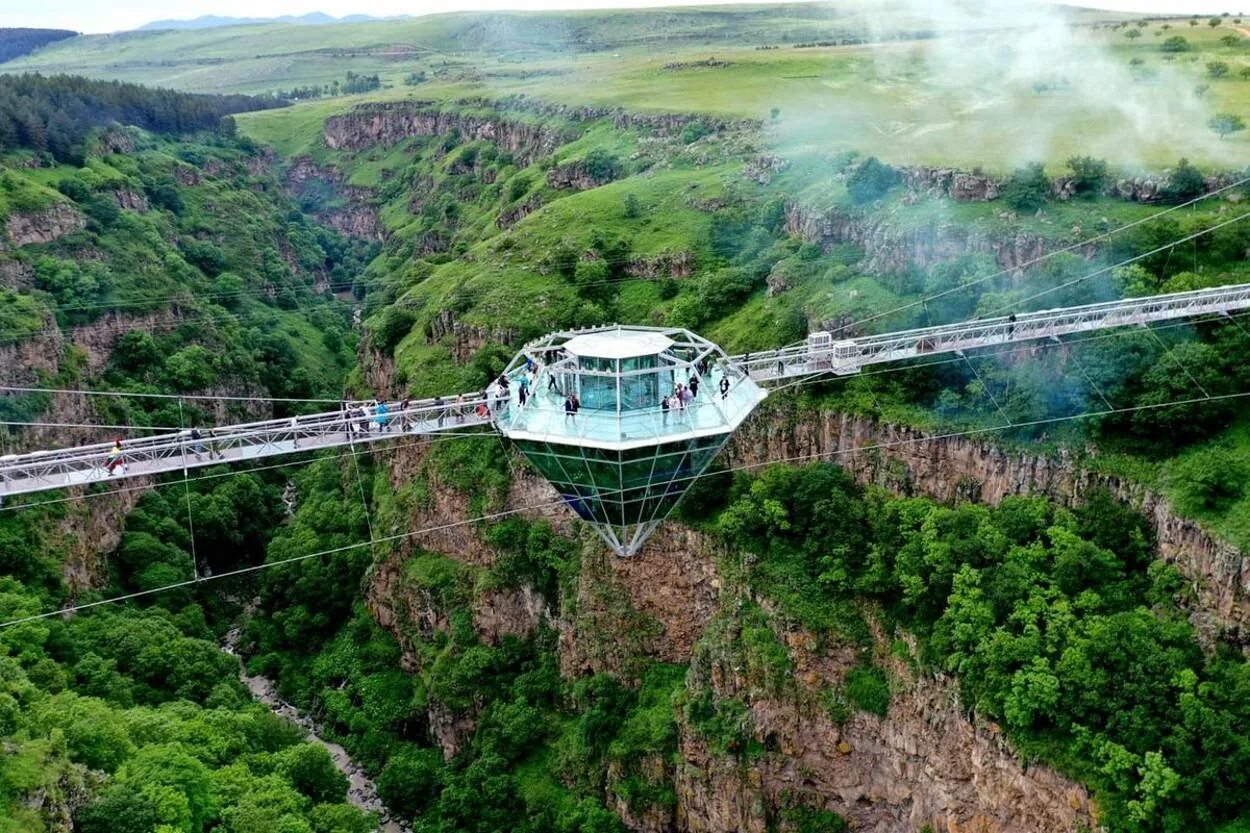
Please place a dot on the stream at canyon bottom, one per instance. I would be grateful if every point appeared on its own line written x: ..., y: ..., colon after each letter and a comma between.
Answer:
x: 361, y: 791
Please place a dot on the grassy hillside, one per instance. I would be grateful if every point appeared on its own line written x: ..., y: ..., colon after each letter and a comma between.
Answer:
x: 905, y: 102
x: 890, y: 80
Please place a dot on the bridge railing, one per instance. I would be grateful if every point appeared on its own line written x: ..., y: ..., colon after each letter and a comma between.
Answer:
x: 821, y: 354
x: 39, y: 470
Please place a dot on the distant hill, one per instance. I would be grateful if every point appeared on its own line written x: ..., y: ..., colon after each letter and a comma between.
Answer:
x: 212, y: 21
x: 15, y: 43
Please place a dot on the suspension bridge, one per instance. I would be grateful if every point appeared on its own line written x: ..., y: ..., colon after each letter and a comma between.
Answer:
x: 619, y: 419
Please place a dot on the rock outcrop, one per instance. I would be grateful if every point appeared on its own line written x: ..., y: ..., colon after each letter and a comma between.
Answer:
x: 44, y: 226
x: 353, y: 212
x: 464, y: 340
x: 679, y: 264
x: 574, y: 176
x: 922, y: 763
x: 961, y: 186
x: 130, y: 200
x: 389, y: 123
x: 892, y: 248
x: 910, y: 461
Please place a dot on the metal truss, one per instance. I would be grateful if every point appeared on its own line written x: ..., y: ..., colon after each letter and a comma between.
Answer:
x: 822, y: 354
x: 170, y: 452
x: 89, y: 464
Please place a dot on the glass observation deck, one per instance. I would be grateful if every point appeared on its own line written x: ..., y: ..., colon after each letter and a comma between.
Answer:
x: 622, y: 420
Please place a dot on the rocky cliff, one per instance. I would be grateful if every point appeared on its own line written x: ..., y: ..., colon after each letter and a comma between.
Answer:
x: 889, y: 247
x: 910, y: 461
x: 924, y: 762
x: 977, y: 186
x: 43, y: 226
x: 921, y: 763
x: 354, y: 212
x: 390, y: 123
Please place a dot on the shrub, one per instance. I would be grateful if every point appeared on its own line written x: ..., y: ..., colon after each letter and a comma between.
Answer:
x: 1176, y: 43
x: 868, y: 689
x: 1209, y: 480
x: 1217, y: 69
x: 694, y: 131
x: 1186, y: 183
x: 1089, y: 175
x: 1027, y: 188
x: 390, y: 326
x: 871, y: 180
x: 518, y: 186
x: 633, y: 208
x: 75, y: 189
x: 210, y: 259
x: 601, y: 166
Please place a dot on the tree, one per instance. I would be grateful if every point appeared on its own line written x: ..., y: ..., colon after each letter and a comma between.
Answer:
x: 1213, y: 22
x: 775, y: 113
x: 1089, y: 175
x: 1217, y: 69
x: 633, y: 208
x: 1210, y: 479
x: 1176, y: 43
x: 1133, y: 34
x: 124, y: 808
x: 1226, y: 124
x: 176, y: 783
x: 1185, y: 183
x: 310, y: 770
x: 1230, y: 40
x: 871, y: 180
x: 1244, y: 72
x: 601, y: 166
x: 1027, y: 188
x: 593, y: 280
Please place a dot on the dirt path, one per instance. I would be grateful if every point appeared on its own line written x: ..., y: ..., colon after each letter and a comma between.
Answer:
x: 361, y: 791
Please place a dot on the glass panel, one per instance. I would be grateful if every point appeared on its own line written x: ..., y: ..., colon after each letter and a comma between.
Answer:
x: 598, y: 393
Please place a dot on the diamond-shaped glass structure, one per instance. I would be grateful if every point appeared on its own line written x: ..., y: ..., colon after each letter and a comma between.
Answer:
x: 622, y: 420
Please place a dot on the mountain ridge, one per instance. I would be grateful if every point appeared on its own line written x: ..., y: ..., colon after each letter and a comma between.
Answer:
x: 212, y: 21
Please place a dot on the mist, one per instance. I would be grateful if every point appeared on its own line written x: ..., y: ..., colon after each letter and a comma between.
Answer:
x: 1007, y: 82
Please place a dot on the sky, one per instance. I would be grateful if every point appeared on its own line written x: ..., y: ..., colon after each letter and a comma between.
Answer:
x: 96, y: 16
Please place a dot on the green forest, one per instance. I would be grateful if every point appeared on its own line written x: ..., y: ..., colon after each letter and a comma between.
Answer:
x: 1010, y: 568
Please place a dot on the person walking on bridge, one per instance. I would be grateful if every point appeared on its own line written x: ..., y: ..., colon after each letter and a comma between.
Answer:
x: 115, y: 457
x: 197, y: 442
x: 724, y: 386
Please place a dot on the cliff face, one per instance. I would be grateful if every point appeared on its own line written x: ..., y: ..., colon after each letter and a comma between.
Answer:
x: 43, y: 226
x: 357, y: 216
x: 909, y: 461
x: 387, y: 124
x: 974, y: 186
x: 924, y: 762
x: 890, y: 248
